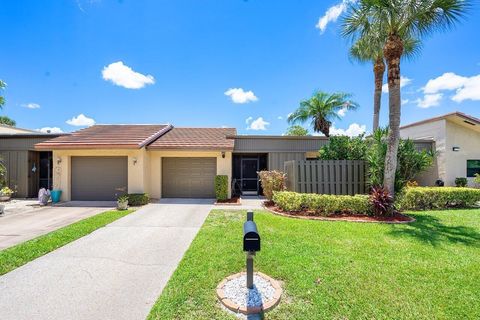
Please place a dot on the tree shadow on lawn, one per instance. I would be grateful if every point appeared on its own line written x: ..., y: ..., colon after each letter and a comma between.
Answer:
x: 431, y: 230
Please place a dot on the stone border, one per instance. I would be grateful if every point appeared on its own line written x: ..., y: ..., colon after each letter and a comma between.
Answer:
x: 230, y: 305
x: 287, y: 215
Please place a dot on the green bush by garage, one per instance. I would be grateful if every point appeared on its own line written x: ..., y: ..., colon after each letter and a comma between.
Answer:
x: 221, y: 187
x: 138, y: 199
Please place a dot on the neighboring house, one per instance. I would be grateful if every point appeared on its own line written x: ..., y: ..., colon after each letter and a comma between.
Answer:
x: 103, y: 161
x: 457, y: 142
x: 27, y: 170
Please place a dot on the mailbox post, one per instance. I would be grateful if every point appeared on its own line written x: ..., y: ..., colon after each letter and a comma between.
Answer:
x: 251, y: 244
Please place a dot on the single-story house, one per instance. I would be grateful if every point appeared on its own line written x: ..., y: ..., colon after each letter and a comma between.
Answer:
x: 27, y: 169
x: 103, y: 161
x: 457, y: 141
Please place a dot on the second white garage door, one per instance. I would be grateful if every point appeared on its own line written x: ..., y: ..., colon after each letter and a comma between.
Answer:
x: 188, y: 177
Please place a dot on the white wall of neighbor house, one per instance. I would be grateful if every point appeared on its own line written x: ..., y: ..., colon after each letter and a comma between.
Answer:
x: 138, y: 175
x: 468, y: 142
x: 436, y: 131
x: 224, y: 167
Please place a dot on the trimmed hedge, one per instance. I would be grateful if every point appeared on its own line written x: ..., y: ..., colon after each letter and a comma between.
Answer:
x: 221, y: 187
x: 438, y: 198
x: 322, y: 204
x: 138, y: 199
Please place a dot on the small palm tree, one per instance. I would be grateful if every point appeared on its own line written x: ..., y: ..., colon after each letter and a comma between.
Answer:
x: 2, y: 99
x: 401, y: 19
x: 322, y: 108
x: 369, y: 49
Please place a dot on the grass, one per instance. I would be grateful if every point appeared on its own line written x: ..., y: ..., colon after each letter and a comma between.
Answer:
x: 18, y: 255
x: 429, y: 269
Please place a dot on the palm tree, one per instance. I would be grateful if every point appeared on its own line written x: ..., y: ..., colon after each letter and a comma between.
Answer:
x: 369, y: 48
x: 7, y: 121
x: 2, y: 99
x: 401, y: 19
x: 322, y: 108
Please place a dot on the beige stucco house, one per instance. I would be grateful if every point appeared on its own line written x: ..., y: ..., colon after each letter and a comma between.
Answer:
x: 103, y: 161
x: 457, y: 142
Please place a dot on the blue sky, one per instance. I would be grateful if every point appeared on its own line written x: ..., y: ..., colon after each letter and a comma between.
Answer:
x: 129, y: 61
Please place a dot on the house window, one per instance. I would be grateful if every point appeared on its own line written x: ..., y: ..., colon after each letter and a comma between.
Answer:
x: 473, y: 167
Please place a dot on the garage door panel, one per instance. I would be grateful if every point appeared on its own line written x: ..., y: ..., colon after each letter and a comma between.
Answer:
x: 188, y: 177
x: 99, y: 178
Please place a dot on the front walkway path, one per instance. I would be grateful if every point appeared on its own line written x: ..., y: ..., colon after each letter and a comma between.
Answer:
x: 116, y: 272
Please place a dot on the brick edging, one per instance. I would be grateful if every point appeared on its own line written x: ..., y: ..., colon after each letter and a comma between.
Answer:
x: 230, y: 305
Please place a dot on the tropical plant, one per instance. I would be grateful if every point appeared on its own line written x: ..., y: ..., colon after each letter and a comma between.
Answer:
x: 369, y: 49
x: 476, y: 179
x: 381, y: 201
x: 296, y: 130
x: 321, y: 109
x: 344, y: 148
x: 400, y: 19
x: 7, y: 121
x: 6, y: 191
x: 411, y: 162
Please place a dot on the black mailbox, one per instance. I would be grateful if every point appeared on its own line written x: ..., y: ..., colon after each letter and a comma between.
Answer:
x: 251, y: 238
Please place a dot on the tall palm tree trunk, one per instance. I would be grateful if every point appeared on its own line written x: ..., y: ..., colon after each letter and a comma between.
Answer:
x: 392, y: 51
x: 378, y: 71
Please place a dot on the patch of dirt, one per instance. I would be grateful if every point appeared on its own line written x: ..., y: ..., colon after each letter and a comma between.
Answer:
x: 232, y: 201
x: 397, y: 217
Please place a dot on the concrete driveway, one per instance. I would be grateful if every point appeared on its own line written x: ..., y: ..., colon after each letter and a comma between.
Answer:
x: 116, y: 272
x: 24, y: 219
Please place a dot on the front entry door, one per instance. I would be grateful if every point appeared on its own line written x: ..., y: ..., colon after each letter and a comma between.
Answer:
x: 249, y: 175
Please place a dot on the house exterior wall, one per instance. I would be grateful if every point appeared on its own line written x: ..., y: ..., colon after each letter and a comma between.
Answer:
x: 224, y: 167
x: 276, y: 160
x: 278, y: 144
x: 468, y: 141
x: 437, y: 132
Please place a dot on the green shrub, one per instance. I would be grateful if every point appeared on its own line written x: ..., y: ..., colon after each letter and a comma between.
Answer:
x: 477, y: 179
x: 461, y: 182
x: 138, y: 199
x: 424, y: 198
x: 322, y: 204
x: 221, y: 187
x: 271, y: 181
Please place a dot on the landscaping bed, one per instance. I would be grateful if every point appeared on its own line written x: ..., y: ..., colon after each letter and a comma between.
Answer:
x: 396, y: 217
x: 231, y: 201
x: 427, y: 269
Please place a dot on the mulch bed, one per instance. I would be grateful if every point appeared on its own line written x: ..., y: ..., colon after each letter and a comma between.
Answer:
x: 232, y: 201
x: 397, y: 217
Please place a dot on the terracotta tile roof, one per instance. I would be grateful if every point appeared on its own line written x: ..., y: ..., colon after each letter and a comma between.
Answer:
x: 107, y: 136
x: 196, y: 138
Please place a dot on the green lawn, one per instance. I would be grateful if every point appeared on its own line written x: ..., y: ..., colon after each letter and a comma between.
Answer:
x: 16, y: 256
x: 429, y: 269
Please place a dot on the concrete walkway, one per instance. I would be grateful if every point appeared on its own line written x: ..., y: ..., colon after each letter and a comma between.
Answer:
x: 24, y: 219
x: 116, y: 272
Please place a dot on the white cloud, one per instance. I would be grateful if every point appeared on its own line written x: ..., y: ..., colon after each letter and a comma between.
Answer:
x: 429, y: 100
x: 31, y: 105
x: 248, y: 120
x: 353, y: 130
x: 466, y: 88
x: 405, y: 101
x: 50, y: 130
x: 257, y: 124
x: 280, y: 118
x: 342, y: 112
x: 332, y: 14
x: 81, y: 121
x: 123, y: 76
x: 238, y: 95
x: 404, y: 81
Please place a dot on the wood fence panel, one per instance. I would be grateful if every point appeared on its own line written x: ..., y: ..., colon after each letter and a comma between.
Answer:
x: 326, y: 176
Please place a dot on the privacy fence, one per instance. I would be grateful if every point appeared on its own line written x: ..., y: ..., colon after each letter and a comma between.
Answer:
x: 326, y: 176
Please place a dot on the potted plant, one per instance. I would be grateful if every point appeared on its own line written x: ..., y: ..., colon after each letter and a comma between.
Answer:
x: 122, y: 202
x: 5, y: 194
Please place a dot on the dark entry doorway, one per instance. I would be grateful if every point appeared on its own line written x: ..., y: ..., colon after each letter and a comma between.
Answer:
x: 245, y: 177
